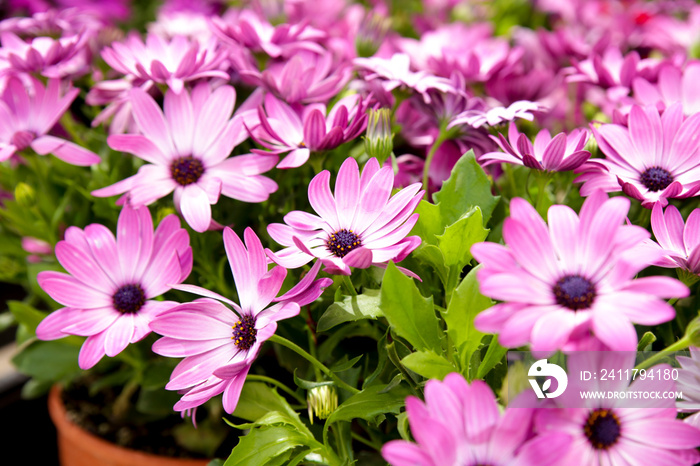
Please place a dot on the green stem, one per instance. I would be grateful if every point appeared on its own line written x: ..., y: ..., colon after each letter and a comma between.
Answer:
x: 69, y: 125
x: 297, y: 349
x: 394, y: 358
x: 429, y: 159
x: 542, y: 182
x: 680, y: 345
x: 121, y: 404
x: 280, y: 385
x: 349, y: 286
x: 364, y: 441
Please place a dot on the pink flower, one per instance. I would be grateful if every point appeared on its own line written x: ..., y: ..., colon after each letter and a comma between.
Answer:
x: 111, y: 284
x: 305, y: 78
x: 492, y: 116
x: 576, y: 277
x: 561, y: 153
x: 689, y: 382
x: 53, y: 58
x: 282, y: 129
x: 359, y: 227
x: 245, y: 28
x: 674, y: 85
x: 115, y: 94
x: 678, y: 241
x: 188, y: 148
x: 652, y: 160
x: 461, y: 424
x: 608, y: 431
x: 469, y: 49
x: 219, y: 344
x: 27, y: 115
x: 172, y: 62
x: 395, y: 73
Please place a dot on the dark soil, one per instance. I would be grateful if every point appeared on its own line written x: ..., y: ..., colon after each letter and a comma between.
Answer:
x: 92, y: 413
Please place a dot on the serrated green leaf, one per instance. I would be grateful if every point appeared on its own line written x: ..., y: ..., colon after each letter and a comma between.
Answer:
x: 429, y: 224
x: 258, y: 399
x: 465, y: 304
x: 351, y: 308
x: 262, y: 445
x: 428, y: 364
x: 410, y: 314
x: 459, y: 237
x: 468, y: 186
x: 494, y: 355
x: 344, y: 365
x: 369, y: 403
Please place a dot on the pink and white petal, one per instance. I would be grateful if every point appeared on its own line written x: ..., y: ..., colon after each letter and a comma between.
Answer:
x: 552, y: 332
x: 359, y: 258
x: 139, y: 145
x: 638, y: 308
x: 195, y: 208
x: 564, y: 232
x: 92, y: 321
x: 162, y: 271
x: 295, y: 158
x: 180, y: 117
x: 347, y: 191
x: 615, y: 330
x: 103, y: 247
x: 64, y: 150
x: 232, y: 393
x: 129, y: 241
x: 70, y: 292
x: 533, y: 252
x: 118, y: 335
x: 373, y: 199
x: 212, y: 118
x: 658, y: 286
x: 92, y: 351
x: 151, y: 120
x: 322, y: 200
x: 198, y: 290
x: 290, y: 258
x: 51, y: 327
x: 403, y: 453
x: 81, y: 264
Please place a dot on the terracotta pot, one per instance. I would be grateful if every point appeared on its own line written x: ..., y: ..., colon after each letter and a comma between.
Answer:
x: 78, y: 447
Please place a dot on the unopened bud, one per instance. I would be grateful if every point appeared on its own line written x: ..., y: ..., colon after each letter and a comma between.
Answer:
x: 379, y: 140
x: 25, y: 195
x: 371, y: 34
x: 322, y: 401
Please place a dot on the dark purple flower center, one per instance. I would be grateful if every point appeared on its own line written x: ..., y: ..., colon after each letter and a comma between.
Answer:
x: 602, y: 429
x: 342, y: 242
x: 186, y: 170
x: 244, y: 333
x: 656, y: 179
x: 574, y: 292
x: 129, y: 299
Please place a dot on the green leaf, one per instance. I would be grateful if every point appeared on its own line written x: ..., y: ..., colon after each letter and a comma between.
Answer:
x: 459, y: 237
x: 344, y: 365
x: 364, y: 306
x: 410, y: 314
x: 48, y: 360
x: 262, y: 445
x: 465, y: 304
x: 468, y: 186
x: 494, y: 356
x: 369, y: 403
x: 308, y: 385
x: 26, y: 315
x: 257, y: 399
x: 429, y: 224
x: 432, y: 255
x: 428, y: 364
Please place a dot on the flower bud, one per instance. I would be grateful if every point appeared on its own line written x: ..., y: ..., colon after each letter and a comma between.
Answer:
x: 323, y: 401
x: 371, y: 34
x: 25, y: 195
x: 379, y: 140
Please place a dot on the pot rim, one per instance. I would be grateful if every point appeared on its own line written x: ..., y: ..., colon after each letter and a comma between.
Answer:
x: 75, y: 433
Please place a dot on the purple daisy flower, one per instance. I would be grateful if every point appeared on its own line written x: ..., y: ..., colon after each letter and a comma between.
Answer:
x: 461, y: 424
x: 652, y: 160
x: 562, y: 282
x: 678, y: 240
x: 559, y: 153
x: 282, y: 129
x: 52, y: 58
x: 27, y: 115
x: 673, y: 85
x: 358, y: 227
x: 111, y: 284
x: 172, y: 62
x: 609, y: 432
x: 188, y: 148
x: 220, y: 344
x: 395, y: 72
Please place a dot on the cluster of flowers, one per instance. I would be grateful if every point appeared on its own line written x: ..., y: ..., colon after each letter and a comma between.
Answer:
x: 566, y: 284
